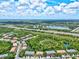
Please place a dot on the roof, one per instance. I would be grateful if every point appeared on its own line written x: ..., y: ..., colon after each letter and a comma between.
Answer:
x: 39, y: 53
x: 24, y: 47
x: 71, y: 50
x: 15, y: 38
x: 10, y: 34
x: 29, y: 52
x: 66, y: 56
x: 13, y: 41
x: 50, y: 52
x: 3, y: 55
x: 61, y: 51
x: 14, y: 44
x: 13, y: 49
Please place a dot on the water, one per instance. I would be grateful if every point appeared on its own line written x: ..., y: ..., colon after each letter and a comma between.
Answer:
x: 58, y: 27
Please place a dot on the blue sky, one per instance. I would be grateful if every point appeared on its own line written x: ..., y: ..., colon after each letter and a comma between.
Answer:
x: 39, y: 9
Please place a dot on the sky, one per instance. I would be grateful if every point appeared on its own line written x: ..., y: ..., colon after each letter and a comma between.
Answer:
x: 39, y: 9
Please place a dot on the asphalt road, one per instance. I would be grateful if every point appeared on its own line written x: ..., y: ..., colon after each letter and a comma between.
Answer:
x: 49, y: 31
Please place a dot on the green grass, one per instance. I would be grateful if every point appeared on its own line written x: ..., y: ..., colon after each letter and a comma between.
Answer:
x: 16, y: 32
x: 5, y: 30
x: 47, y: 41
x: 5, y: 47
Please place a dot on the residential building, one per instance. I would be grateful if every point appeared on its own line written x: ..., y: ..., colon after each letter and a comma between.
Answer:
x: 13, y: 49
x: 61, y: 51
x: 29, y: 53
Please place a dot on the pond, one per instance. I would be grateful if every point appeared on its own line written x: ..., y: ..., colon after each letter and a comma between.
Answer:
x: 58, y: 27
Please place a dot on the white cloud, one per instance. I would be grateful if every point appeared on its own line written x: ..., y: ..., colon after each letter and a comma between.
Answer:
x: 5, y: 4
x: 42, y: 5
x: 67, y: 8
x: 73, y: 5
x: 37, y: 7
x: 49, y: 11
x: 35, y: 13
x: 69, y: 11
x: 23, y: 2
x: 63, y: 4
x: 71, y: 8
x: 43, y: 0
x: 57, y: 8
x: 2, y: 11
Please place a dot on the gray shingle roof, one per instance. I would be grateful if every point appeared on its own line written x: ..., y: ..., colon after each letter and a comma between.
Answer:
x: 71, y: 50
x: 29, y: 52
x: 4, y: 55
x: 50, y: 52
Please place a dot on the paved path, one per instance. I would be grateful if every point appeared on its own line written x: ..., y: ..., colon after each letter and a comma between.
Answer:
x: 49, y: 31
x: 19, y: 46
x: 18, y: 51
x: 76, y: 29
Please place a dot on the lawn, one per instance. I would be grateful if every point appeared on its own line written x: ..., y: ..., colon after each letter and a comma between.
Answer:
x: 5, y: 47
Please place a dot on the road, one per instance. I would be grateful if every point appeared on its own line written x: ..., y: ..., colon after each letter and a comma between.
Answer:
x: 48, y: 31
x: 76, y: 29
x: 19, y: 46
x: 63, y: 33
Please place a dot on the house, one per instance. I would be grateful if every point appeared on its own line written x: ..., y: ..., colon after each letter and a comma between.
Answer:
x: 23, y: 37
x: 39, y: 53
x: 23, y: 42
x: 29, y: 53
x: 61, y: 51
x: 24, y: 47
x: 71, y: 51
x: 50, y: 53
x: 3, y: 56
x: 67, y: 57
x: 7, y: 35
x: 77, y: 56
x: 15, y: 44
x: 13, y: 41
x: 13, y: 49
x: 14, y: 38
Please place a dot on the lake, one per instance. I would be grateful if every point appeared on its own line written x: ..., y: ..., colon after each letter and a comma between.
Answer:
x: 58, y: 27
